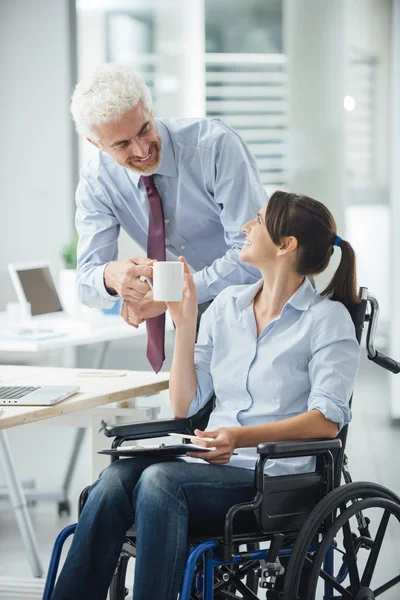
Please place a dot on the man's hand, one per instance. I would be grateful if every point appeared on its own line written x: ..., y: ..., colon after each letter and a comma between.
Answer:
x: 134, y: 313
x: 122, y: 277
x: 224, y: 443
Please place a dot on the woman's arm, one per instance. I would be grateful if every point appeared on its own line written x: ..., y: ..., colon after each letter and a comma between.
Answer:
x: 183, y: 378
x: 309, y: 425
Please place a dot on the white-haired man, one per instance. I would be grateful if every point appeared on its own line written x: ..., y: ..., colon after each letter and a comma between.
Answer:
x: 177, y: 187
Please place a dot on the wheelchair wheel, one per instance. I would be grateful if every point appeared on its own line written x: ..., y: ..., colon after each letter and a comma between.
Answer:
x: 118, y: 591
x: 312, y: 558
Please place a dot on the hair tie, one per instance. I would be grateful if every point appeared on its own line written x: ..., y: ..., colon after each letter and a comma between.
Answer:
x: 336, y: 241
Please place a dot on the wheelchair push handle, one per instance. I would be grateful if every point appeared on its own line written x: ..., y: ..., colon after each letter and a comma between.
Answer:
x: 376, y: 357
x: 385, y: 362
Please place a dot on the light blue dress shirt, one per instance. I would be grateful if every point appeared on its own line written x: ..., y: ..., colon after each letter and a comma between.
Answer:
x: 305, y: 359
x: 209, y: 186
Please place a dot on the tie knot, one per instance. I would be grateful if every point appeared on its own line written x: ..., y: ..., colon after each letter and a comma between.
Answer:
x: 148, y: 181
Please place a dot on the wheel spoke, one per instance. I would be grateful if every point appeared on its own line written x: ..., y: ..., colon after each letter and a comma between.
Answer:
x: 360, y: 491
x: 346, y: 595
x: 343, y: 522
x: 373, y: 557
x: 383, y: 588
x: 351, y: 557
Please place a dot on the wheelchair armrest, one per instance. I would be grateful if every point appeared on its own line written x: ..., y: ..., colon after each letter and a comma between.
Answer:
x: 287, y: 449
x: 298, y: 448
x: 148, y: 429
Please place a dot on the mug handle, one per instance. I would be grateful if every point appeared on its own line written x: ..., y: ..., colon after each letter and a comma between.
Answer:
x: 143, y: 278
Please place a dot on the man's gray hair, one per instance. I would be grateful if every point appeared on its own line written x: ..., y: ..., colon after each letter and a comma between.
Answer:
x: 109, y: 92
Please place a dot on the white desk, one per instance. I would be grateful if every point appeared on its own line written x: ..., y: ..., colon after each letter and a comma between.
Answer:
x: 94, y: 392
x: 98, y: 328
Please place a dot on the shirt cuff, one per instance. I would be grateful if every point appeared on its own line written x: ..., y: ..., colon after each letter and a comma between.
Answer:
x: 98, y: 279
x: 193, y: 407
x: 331, y: 410
x: 203, y: 295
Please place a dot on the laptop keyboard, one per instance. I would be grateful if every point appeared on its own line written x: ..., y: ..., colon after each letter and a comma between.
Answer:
x: 14, y: 392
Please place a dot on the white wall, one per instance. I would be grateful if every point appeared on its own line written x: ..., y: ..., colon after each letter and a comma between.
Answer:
x: 368, y: 225
x: 36, y: 153
x: 368, y: 30
x: 91, y: 44
x: 395, y: 206
x: 314, y: 42
x: 180, y: 47
x: 37, y: 158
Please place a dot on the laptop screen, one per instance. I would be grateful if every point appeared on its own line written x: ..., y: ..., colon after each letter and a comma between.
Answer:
x: 39, y: 290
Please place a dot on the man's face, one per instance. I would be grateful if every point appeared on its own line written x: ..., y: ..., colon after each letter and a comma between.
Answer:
x: 133, y: 141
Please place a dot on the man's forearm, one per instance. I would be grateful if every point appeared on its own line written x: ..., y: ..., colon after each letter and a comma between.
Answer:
x: 309, y: 425
x: 225, y: 271
x: 90, y: 287
x: 183, y: 378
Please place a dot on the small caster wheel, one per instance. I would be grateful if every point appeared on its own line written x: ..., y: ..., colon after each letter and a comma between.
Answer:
x: 64, y: 507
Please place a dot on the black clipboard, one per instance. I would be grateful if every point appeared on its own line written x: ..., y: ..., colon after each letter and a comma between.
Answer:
x: 161, y: 450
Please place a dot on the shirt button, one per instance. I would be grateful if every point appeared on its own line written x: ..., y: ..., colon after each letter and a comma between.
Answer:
x: 166, y: 241
x: 183, y: 247
x: 166, y: 221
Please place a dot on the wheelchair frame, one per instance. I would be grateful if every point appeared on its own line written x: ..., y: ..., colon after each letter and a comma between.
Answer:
x: 313, y: 519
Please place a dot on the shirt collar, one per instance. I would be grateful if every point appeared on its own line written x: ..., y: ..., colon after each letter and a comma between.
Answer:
x: 300, y: 300
x: 168, y: 164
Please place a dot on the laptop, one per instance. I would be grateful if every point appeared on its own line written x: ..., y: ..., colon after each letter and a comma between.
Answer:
x: 45, y: 395
x: 34, y: 283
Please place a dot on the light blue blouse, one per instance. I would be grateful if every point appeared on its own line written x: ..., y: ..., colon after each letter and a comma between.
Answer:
x: 209, y: 187
x: 305, y: 359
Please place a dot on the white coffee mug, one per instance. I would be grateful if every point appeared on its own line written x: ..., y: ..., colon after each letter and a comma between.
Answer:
x: 167, y: 283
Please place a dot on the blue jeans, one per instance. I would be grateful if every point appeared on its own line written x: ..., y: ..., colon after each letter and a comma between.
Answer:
x: 166, y: 500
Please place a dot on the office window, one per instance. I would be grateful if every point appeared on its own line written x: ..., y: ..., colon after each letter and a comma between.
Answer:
x: 236, y: 27
x: 246, y: 79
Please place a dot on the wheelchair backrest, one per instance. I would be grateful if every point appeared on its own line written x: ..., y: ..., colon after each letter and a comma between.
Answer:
x: 357, y: 313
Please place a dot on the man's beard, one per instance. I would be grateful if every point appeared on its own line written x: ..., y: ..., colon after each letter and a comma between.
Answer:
x: 146, y: 169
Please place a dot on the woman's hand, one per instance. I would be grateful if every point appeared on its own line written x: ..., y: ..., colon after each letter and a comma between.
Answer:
x: 224, y: 443
x: 185, y: 312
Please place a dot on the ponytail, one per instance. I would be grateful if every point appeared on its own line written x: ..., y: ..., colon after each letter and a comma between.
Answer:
x: 343, y: 285
x: 314, y: 227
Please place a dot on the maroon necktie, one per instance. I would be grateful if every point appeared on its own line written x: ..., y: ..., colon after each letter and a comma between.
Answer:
x: 155, y: 249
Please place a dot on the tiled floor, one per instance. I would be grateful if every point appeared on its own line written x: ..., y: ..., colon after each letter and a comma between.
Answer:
x: 373, y: 450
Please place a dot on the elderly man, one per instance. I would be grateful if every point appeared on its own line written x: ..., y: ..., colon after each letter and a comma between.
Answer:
x: 177, y: 187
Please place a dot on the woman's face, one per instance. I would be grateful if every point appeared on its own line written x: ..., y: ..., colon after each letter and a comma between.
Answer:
x: 258, y: 247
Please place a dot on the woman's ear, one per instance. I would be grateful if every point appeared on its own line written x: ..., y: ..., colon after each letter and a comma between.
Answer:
x: 288, y: 244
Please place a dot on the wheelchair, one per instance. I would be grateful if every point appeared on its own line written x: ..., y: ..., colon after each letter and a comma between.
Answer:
x: 313, y: 530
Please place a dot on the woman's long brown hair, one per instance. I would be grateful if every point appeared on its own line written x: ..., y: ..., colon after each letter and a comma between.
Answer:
x: 314, y: 227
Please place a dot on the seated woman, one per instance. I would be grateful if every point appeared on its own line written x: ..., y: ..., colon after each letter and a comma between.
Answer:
x: 281, y: 359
